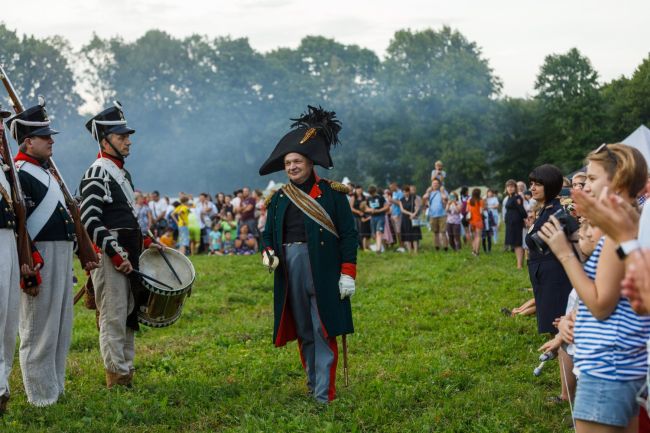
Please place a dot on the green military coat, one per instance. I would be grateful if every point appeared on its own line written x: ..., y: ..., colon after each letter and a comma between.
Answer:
x: 327, y: 256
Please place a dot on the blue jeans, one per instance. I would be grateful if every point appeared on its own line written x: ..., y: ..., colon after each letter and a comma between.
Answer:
x: 377, y: 224
x: 607, y: 402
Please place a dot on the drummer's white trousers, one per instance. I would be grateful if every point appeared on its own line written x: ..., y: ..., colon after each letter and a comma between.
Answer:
x: 114, y: 302
x: 9, y: 301
x: 46, y: 326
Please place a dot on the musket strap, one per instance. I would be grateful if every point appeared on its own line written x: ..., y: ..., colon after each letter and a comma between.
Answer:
x: 5, y: 193
x: 310, y: 207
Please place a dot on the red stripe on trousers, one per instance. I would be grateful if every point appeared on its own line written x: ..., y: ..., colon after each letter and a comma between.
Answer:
x: 331, y: 394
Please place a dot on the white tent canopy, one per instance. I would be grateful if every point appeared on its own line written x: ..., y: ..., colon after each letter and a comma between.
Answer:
x: 640, y: 139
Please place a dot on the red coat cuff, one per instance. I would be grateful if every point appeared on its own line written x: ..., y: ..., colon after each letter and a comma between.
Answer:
x: 37, y: 258
x: 147, y: 241
x: 117, y: 260
x: 266, y: 249
x: 34, y: 281
x: 349, y: 269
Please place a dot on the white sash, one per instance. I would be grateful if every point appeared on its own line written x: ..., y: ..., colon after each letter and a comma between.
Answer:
x: 53, y: 198
x: 118, y: 175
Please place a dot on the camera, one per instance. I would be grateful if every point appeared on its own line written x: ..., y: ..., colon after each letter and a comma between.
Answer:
x: 568, y: 224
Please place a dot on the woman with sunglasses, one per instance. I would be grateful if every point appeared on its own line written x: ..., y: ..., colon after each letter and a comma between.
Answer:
x: 610, y: 357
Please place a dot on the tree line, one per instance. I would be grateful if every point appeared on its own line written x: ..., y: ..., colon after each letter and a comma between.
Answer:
x: 208, y: 111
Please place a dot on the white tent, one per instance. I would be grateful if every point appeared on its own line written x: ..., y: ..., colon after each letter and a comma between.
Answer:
x: 640, y: 139
x: 271, y: 187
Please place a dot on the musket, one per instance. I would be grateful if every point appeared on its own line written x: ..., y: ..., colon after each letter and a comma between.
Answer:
x: 86, y: 251
x: 18, y: 201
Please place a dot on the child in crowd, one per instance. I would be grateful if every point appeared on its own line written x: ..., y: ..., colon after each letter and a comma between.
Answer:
x: 167, y: 239
x: 180, y: 215
x: 488, y: 228
x: 228, y: 244
x: 588, y: 240
x: 245, y: 244
x: 215, y: 240
x: 454, y: 217
x: 229, y: 225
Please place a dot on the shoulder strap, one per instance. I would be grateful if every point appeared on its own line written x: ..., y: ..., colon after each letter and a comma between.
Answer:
x: 122, y: 180
x: 46, y: 207
x: 310, y: 207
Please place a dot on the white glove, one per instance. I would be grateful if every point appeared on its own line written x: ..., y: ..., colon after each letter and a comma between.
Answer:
x: 346, y: 286
x: 271, y: 264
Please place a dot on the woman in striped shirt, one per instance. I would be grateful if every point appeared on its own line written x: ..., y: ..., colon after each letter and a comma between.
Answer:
x: 610, y: 358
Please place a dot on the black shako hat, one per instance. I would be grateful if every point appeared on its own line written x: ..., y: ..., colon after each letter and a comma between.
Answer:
x: 109, y: 121
x: 312, y: 136
x: 4, y: 113
x: 33, y: 122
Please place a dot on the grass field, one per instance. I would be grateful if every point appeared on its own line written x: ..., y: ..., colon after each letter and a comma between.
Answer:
x: 431, y: 352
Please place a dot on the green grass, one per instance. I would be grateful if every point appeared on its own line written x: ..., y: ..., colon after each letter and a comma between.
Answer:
x: 431, y: 352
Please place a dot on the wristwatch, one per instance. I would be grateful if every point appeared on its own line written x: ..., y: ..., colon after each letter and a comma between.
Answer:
x: 625, y: 248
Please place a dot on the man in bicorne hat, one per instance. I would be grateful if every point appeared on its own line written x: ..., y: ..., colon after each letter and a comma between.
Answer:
x: 9, y: 277
x: 310, y: 240
x: 108, y: 213
x: 46, y: 305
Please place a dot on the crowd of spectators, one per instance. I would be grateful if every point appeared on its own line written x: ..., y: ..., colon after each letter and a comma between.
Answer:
x: 386, y: 218
x: 585, y: 239
x: 221, y: 225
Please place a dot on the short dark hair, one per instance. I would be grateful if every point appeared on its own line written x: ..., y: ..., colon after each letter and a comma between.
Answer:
x: 551, y: 177
x: 372, y: 189
x: 155, y: 192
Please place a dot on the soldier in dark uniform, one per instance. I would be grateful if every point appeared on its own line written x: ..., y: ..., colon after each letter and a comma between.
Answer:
x: 108, y: 213
x: 310, y: 240
x: 45, y: 315
x: 9, y: 278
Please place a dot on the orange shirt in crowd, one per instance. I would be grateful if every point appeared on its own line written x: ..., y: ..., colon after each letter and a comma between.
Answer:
x: 476, y: 218
x: 168, y: 240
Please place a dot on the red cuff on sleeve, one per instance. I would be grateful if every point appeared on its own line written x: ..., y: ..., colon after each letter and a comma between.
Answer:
x: 37, y: 258
x: 117, y: 260
x: 147, y: 241
x: 31, y: 281
x: 266, y: 249
x: 349, y: 269
x: 97, y: 249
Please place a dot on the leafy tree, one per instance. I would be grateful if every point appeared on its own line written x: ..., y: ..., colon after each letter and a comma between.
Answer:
x: 571, y: 109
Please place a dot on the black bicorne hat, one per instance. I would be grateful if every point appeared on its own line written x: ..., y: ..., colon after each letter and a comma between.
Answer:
x: 32, y: 122
x: 312, y: 136
x: 109, y: 121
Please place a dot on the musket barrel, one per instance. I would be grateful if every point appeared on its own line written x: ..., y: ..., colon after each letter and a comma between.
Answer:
x: 86, y: 251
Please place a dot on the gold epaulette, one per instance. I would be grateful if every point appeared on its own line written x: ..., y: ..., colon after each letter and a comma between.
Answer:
x: 338, y: 186
x: 267, y: 202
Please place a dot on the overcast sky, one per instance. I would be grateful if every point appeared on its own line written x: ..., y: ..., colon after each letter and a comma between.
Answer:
x: 515, y: 35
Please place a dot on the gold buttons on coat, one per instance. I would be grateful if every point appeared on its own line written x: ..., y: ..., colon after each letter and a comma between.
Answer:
x: 321, y: 229
x: 322, y: 243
